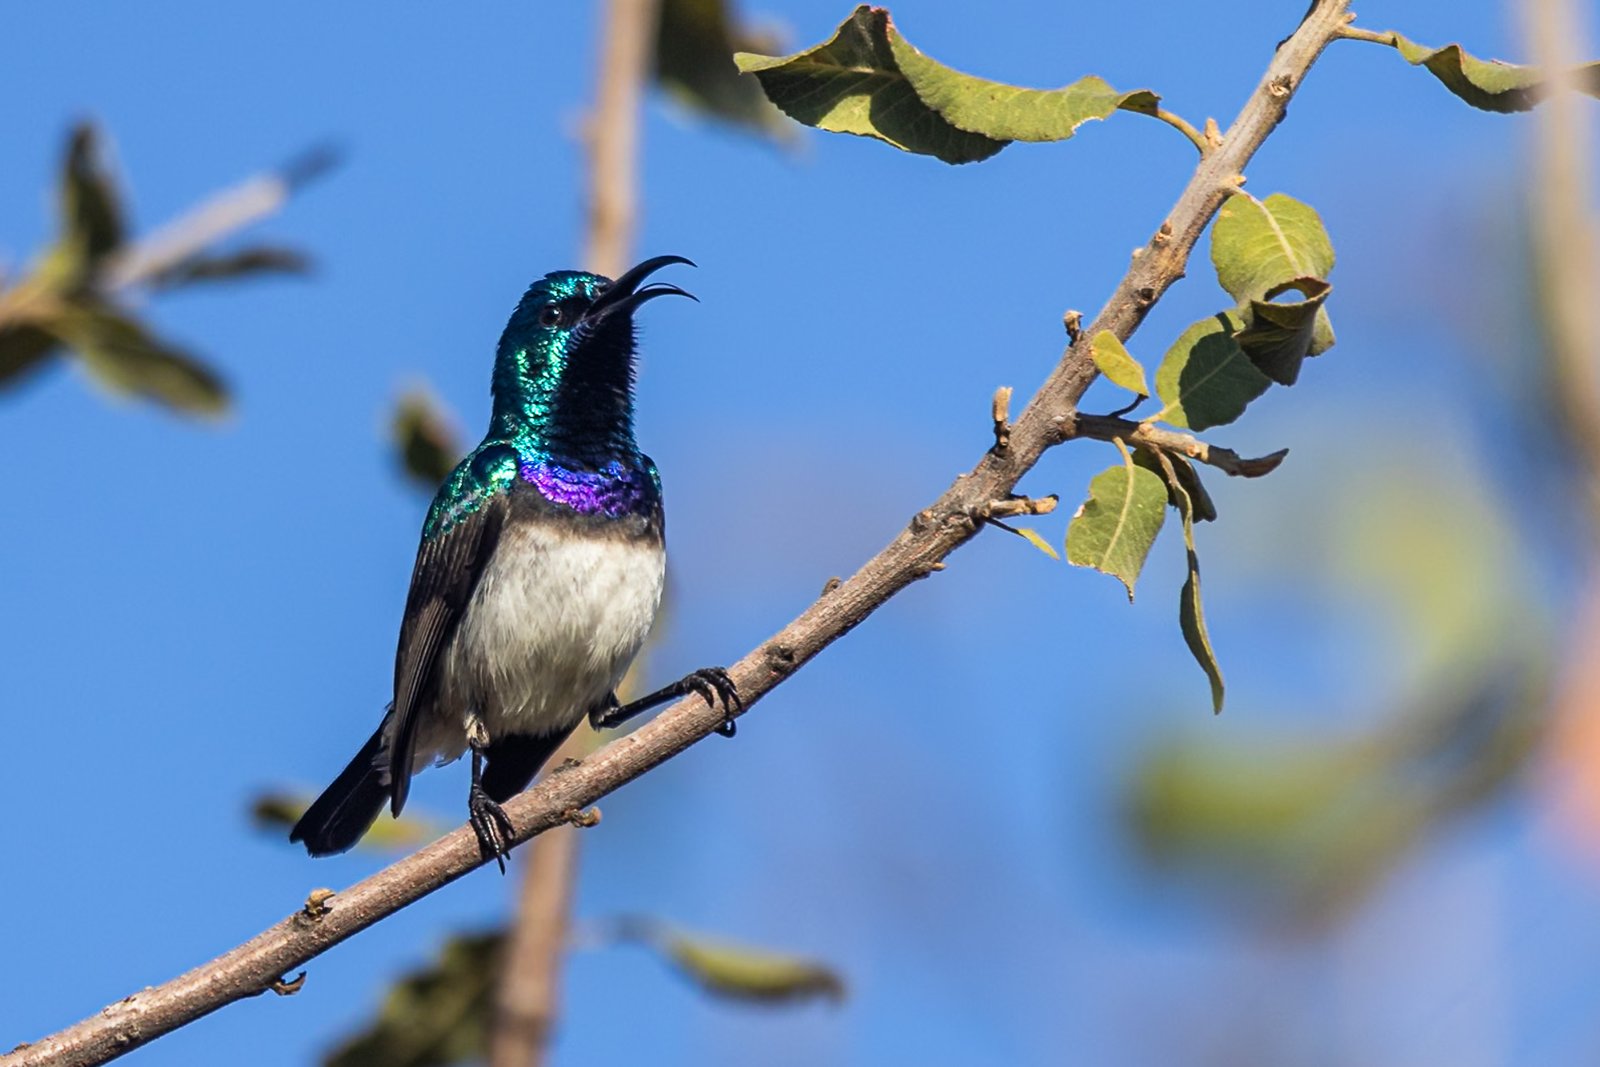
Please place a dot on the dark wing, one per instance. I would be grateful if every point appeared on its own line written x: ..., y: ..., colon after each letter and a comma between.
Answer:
x: 448, y: 568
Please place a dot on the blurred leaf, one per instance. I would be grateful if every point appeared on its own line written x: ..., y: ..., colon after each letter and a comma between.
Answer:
x: 23, y: 348
x: 1191, y: 616
x: 1258, y: 245
x: 1032, y: 537
x: 868, y: 80
x: 1118, y: 364
x: 1489, y: 85
x: 91, y: 214
x: 435, y: 1016
x: 1188, y: 476
x: 262, y: 259
x: 1282, y: 334
x: 1206, y: 379
x: 695, y: 42
x: 277, y: 812
x: 734, y: 971
x: 1115, y: 527
x: 428, y: 446
x: 121, y: 355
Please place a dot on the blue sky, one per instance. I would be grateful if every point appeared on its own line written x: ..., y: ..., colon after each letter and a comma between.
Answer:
x: 195, y: 613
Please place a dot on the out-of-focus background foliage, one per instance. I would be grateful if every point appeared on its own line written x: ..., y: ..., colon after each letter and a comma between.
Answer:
x: 1001, y: 809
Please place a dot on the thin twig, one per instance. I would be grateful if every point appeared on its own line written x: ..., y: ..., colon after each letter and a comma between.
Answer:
x: 1183, y: 126
x: 1356, y: 33
x: 916, y: 553
x: 1112, y: 428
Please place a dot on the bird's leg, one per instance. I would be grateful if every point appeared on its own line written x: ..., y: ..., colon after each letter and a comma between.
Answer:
x: 488, y: 819
x: 712, y: 683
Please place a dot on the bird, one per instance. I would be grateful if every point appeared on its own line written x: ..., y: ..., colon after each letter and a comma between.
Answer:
x: 538, y: 576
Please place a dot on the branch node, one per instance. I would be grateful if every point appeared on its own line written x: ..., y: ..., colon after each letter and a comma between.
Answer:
x: 1213, y: 133
x: 316, y: 905
x: 831, y: 584
x: 289, y: 987
x: 922, y: 520
x: 1163, y: 235
x: 1017, y: 505
x: 581, y: 818
x: 1147, y: 296
x: 780, y: 658
x: 1073, y: 321
x: 1281, y: 86
x: 1000, y: 412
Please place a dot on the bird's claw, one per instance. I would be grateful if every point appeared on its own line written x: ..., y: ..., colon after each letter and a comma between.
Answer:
x: 713, y: 684
x: 491, y: 825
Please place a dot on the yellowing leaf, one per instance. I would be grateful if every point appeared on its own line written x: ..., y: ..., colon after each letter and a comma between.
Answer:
x: 1115, y: 527
x: 1113, y: 360
x: 1033, y: 538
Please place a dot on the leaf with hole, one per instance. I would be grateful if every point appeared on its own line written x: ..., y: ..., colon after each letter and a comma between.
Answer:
x: 1257, y: 245
x: 1490, y: 85
x: 120, y: 354
x: 1206, y: 379
x: 1113, y: 360
x: 868, y: 80
x: 695, y: 43
x: 1115, y: 527
x: 1281, y: 334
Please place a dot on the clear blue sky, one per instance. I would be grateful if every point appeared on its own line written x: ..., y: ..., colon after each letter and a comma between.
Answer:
x: 195, y: 613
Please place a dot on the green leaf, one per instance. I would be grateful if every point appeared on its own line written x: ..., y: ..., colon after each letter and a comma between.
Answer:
x: 1204, y: 509
x: 734, y: 971
x: 120, y: 354
x: 1115, y: 527
x: 1033, y: 538
x: 1206, y: 379
x: 1008, y: 112
x: 23, y: 349
x: 1117, y: 364
x: 695, y: 42
x: 1257, y: 245
x: 428, y: 446
x: 852, y: 84
x: 1280, y: 335
x: 91, y: 214
x: 1191, y: 615
x: 433, y: 1016
x: 1490, y: 85
x: 262, y: 259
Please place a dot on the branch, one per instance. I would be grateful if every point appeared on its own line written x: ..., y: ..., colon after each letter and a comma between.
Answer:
x: 918, y: 551
x: 1111, y: 428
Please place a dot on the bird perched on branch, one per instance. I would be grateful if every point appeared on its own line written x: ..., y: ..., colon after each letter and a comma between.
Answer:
x: 539, y: 574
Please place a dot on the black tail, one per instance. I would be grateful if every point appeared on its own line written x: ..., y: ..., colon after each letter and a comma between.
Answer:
x: 514, y: 760
x: 347, y: 807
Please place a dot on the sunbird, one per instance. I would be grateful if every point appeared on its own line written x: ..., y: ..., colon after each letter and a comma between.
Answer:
x: 539, y: 574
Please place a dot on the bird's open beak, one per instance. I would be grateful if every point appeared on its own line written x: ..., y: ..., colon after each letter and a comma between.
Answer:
x: 625, y: 294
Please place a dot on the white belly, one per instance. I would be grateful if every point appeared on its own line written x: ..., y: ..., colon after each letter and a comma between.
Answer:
x: 552, y: 627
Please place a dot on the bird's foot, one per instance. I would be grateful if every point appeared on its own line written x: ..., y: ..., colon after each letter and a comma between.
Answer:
x: 713, y: 684
x: 493, y: 827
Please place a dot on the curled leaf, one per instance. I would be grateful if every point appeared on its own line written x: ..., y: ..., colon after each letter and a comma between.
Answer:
x: 205, y: 267
x: 1489, y: 85
x: 1191, y: 614
x: 91, y: 211
x: 1204, y: 509
x: 869, y: 80
x: 695, y: 42
x: 1281, y: 334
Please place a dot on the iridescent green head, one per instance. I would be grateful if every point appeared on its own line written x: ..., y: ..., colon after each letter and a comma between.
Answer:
x: 563, y: 374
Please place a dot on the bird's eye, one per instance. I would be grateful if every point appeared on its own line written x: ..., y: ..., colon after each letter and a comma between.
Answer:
x: 550, y: 315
